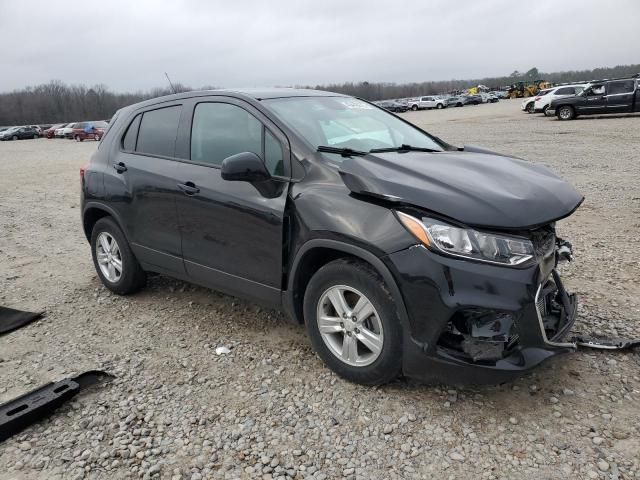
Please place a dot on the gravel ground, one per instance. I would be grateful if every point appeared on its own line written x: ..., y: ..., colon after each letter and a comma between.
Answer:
x: 269, y: 408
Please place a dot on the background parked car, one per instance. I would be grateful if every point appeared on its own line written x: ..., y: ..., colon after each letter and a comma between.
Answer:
x: 474, y: 99
x: 542, y: 102
x: 607, y: 96
x: 85, y: 130
x: 488, y: 98
x: 62, y: 131
x: 50, y: 132
x: 456, y: 101
x: 19, y: 133
x: 427, y: 102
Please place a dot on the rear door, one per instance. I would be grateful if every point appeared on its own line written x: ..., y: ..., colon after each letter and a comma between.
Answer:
x: 141, y: 184
x: 620, y: 96
x: 232, y: 232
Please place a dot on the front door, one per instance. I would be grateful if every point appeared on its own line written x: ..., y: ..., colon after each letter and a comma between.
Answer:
x: 595, y: 100
x: 620, y: 96
x: 232, y: 232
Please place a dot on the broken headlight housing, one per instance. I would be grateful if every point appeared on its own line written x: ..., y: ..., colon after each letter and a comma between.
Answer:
x: 468, y: 243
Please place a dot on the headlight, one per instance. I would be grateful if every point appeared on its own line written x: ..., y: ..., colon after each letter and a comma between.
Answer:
x: 468, y: 243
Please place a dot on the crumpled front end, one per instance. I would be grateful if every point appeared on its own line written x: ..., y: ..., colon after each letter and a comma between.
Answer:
x: 480, y: 323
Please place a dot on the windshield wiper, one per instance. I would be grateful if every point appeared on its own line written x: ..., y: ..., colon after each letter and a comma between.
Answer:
x: 404, y: 148
x: 345, y: 152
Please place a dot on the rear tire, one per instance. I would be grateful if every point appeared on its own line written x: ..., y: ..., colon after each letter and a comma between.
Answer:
x: 131, y: 277
x: 15, y: 137
x: 414, y: 107
x: 380, y: 325
x: 566, y: 112
x: 544, y: 111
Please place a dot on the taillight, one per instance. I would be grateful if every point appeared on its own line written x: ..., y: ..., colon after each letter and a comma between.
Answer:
x: 82, y: 170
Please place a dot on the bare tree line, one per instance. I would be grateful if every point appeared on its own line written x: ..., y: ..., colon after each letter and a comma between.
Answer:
x: 56, y: 102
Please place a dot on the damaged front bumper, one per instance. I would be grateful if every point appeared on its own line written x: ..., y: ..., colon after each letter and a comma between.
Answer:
x: 475, y: 323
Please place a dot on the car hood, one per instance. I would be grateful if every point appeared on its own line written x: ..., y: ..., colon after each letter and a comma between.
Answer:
x: 478, y: 189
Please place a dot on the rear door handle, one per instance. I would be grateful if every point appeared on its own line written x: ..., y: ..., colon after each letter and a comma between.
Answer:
x: 120, y: 167
x: 189, y: 188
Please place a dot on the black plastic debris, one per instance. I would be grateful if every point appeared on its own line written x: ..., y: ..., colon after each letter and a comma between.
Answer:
x: 19, y: 413
x: 605, y: 343
x: 11, y: 319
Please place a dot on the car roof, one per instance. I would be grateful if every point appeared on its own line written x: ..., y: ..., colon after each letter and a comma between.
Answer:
x: 247, y: 93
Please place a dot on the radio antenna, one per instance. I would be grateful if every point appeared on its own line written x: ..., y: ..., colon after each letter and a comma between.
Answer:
x: 169, y: 80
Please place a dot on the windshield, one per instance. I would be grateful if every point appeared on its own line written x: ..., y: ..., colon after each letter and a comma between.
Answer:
x: 345, y: 122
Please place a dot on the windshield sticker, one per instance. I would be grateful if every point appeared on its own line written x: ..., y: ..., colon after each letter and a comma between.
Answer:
x: 355, y: 104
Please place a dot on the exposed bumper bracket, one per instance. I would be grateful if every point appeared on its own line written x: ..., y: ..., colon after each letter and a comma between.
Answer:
x: 19, y: 413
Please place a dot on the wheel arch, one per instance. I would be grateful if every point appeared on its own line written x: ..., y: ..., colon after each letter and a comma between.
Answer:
x: 318, y: 252
x: 93, y: 212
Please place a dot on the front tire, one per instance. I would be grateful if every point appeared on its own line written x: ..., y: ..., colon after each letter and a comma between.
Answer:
x: 352, y: 322
x: 113, y: 259
x: 440, y: 106
x: 530, y: 107
x: 414, y: 107
x: 566, y: 112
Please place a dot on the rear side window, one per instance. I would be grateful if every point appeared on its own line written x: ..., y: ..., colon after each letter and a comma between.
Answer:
x: 130, y: 138
x: 625, y: 86
x: 565, y: 91
x: 158, y: 131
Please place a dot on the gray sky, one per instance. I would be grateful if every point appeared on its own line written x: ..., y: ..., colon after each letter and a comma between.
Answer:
x: 127, y: 45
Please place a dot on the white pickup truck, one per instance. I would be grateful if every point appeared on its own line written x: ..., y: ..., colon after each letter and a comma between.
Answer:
x: 422, y: 103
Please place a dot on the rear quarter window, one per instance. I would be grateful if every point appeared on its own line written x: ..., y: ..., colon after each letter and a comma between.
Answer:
x: 131, y: 136
x: 158, y: 131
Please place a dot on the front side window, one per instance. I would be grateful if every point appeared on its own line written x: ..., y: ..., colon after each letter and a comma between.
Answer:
x: 597, y: 90
x: 345, y: 122
x: 220, y: 130
x: 158, y: 131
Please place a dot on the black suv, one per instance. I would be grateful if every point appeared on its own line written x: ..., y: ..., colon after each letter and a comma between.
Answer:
x: 400, y: 253
x: 610, y: 96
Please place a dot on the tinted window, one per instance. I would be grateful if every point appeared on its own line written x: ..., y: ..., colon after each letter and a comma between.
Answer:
x: 129, y: 140
x: 158, y: 130
x: 220, y: 130
x: 625, y: 86
x: 565, y: 91
x: 273, y: 156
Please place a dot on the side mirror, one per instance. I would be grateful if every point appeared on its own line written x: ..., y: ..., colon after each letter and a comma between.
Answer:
x: 244, y: 167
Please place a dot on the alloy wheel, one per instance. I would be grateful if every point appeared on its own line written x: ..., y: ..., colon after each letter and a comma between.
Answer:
x: 350, y: 325
x: 109, y: 257
x: 565, y: 113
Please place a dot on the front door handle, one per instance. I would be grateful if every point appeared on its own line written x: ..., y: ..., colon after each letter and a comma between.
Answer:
x: 120, y: 167
x: 189, y: 188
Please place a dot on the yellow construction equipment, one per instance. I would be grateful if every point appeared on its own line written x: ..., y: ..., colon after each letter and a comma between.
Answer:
x: 520, y: 90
